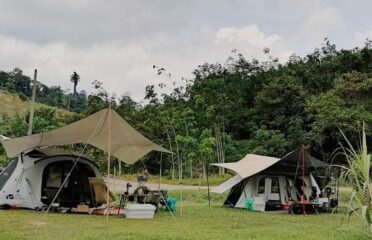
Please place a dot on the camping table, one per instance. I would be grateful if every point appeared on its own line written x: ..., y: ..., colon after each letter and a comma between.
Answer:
x: 307, y: 206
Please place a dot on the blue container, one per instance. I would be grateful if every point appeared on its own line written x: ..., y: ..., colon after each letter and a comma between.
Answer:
x: 249, y: 204
x: 171, y: 204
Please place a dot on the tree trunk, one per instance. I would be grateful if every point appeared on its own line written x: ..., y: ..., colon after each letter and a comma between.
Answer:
x: 190, y: 161
x: 219, y: 149
x: 203, y: 169
x: 170, y: 148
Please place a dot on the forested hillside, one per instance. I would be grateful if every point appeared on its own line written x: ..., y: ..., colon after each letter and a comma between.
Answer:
x: 230, y: 109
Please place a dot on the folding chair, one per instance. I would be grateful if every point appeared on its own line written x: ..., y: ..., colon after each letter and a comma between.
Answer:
x: 99, y: 191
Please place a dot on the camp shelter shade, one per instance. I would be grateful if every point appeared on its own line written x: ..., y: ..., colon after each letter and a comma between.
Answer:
x: 227, y: 185
x: 249, y: 165
x: 293, y: 158
x: 127, y: 144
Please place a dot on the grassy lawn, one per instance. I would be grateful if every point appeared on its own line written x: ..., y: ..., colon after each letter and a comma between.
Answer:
x: 11, y: 104
x: 198, y: 222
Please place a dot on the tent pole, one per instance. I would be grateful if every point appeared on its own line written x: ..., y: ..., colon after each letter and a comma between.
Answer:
x: 114, y: 189
x: 108, y: 159
x: 303, y: 178
x: 161, y: 163
x: 209, y: 196
x: 181, y: 187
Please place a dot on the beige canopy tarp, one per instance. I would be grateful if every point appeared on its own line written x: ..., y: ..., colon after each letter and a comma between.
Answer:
x: 249, y: 165
x: 126, y: 143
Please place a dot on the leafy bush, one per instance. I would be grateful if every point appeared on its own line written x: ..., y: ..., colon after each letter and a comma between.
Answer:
x: 358, y: 174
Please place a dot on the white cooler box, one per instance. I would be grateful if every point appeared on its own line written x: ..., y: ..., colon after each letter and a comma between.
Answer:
x: 139, y: 211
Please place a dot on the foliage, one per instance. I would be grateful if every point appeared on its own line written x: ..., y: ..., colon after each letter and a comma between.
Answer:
x: 268, y: 142
x: 17, y: 83
x: 229, y: 109
x: 345, y: 107
x: 358, y: 175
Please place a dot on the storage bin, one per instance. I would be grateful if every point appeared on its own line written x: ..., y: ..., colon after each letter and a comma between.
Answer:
x: 139, y: 211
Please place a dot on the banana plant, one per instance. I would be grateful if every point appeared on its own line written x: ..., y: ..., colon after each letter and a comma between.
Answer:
x: 357, y: 173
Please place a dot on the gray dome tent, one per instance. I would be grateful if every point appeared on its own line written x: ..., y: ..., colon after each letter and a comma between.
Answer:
x: 33, y: 178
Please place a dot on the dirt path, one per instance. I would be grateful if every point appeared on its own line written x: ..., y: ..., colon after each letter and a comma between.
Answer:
x: 119, y: 185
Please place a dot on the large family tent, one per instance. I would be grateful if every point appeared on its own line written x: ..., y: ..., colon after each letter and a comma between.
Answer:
x: 38, y: 171
x: 33, y: 179
x: 271, y: 182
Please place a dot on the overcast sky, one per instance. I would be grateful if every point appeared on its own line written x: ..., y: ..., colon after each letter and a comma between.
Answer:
x: 117, y: 42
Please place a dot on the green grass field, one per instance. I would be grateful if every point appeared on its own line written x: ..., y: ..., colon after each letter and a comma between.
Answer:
x: 199, y: 221
x: 214, y: 179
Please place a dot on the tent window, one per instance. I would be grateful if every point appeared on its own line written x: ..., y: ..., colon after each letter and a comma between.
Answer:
x: 76, y: 189
x: 261, y: 185
x: 274, y: 185
x: 56, y: 174
x: 5, y: 175
x: 54, y: 177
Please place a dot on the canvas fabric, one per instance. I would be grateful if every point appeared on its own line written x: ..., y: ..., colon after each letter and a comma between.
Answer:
x: 104, y: 129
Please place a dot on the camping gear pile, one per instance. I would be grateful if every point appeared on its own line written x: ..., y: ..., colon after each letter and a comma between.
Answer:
x: 143, y: 195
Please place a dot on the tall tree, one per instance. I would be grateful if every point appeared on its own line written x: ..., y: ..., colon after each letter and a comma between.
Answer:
x: 75, y: 78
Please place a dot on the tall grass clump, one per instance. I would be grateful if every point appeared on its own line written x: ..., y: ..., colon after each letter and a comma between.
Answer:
x: 357, y: 173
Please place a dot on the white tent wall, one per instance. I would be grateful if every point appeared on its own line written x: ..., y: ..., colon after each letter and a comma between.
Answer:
x: 283, y: 193
x: 286, y: 189
x: 23, y: 188
x: 250, y: 191
x: 308, y: 185
x: 290, y: 189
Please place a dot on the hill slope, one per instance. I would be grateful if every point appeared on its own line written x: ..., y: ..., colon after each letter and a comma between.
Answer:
x: 11, y: 104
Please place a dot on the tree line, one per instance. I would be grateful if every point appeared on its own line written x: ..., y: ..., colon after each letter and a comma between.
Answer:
x: 241, y: 106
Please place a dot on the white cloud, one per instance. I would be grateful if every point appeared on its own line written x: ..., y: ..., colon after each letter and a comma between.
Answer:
x: 250, y: 40
x: 127, y: 66
x: 322, y: 21
x: 122, y: 67
x: 250, y: 35
x: 362, y: 36
x: 118, y: 42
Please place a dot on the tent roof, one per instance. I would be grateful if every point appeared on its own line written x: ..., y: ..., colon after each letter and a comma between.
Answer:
x: 52, y: 151
x: 127, y: 144
x: 249, y: 165
x: 223, y: 187
x: 252, y: 164
x: 292, y: 159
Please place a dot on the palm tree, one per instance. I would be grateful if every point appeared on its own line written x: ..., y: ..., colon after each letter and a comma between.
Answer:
x: 75, y: 78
